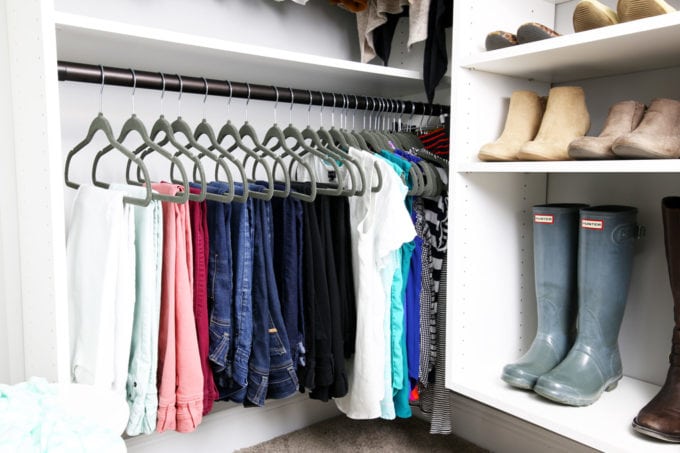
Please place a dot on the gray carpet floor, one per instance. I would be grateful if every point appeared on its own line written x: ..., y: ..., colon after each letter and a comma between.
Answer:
x: 341, y: 434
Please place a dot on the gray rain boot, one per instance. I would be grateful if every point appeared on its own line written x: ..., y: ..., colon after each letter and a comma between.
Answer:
x: 555, y: 248
x: 606, y: 239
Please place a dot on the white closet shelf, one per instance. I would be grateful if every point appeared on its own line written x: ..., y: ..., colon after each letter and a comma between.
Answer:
x: 640, y: 45
x: 611, y: 414
x: 90, y: 40
x: 575, y: 166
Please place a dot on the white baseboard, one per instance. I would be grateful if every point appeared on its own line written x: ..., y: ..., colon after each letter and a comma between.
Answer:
x: 230, y: 427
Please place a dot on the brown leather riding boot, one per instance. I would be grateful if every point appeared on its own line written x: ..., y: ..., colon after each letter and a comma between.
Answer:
x: 660, y: 418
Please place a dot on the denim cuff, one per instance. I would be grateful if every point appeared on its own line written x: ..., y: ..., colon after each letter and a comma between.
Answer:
x: 283, y: 382
x: 143, y: 414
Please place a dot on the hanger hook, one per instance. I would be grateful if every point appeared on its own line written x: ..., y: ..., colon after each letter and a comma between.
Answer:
x: 309, y: 107
x: 205, y: 96
x: 321, y: 110
x: 276, y: 103
x: 101, y: 88
x: 162, y: 91
x: 134, y: 88
x: 356, y: 107
x: 345, y: 103
x: 413, y: 110
x: 179, y: 98
x: 247, y: 100
x: 292, y: 100
x: 231, y: 91
x: 333, y: 112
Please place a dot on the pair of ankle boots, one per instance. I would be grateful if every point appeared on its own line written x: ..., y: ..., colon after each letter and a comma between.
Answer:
x: 590, y: 14
x: 539, y: 130
x: 631, y: 131
x: 583, y: 259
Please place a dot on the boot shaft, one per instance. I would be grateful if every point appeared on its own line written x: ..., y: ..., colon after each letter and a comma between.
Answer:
x: 623, y: 117
x: 606, y: 244
x: 555, y: 259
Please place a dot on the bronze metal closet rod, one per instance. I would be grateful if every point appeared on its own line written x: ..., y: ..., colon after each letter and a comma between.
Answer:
x: 80, y: 72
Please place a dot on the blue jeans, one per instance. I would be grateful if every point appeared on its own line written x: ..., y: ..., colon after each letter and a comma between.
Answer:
x: 287, y: 248
x: 230, y: 364
x: 271, y: 372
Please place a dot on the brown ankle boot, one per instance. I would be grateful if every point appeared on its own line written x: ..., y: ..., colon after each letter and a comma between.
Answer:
x: 628, y: 10
x: 660, y: 418
x: 566, y: 118
x: 623, y: 117
x: 657, y: 136
x: 590, y: 14
x: 521, y: 124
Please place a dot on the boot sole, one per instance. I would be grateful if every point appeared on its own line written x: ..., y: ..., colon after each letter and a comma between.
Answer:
x: 533, y: 31
x: 590, y: 14
x: 634, y: 152
x: 559, y: 398
x: 517, y: 383
x: 654, y: 433
x: 488, y: 157
x: 500, y: 40
x: 643, y: 9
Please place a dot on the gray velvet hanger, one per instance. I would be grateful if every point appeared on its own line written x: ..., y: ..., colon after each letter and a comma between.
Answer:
x: 180, y: 126
x: 292, y: 132
x: 134, y: 124
x: 327, y: 140
x: 247, y: 130
x: 275, y: 132
x: 100, y: 123
x: 229, y: 130
x: 163, y: 125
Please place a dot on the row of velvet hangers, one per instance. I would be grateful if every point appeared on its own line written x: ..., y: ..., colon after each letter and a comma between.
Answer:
x: 176, y: 139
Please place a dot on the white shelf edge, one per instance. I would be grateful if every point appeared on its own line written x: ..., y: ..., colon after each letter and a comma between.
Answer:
x: 600, y: 166
x: 631, y: 395
x: 76, y: 21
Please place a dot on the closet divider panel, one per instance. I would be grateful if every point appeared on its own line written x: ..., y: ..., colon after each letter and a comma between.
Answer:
x: 35, y: 270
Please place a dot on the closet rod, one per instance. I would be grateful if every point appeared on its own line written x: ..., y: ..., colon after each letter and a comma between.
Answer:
x: 80, y: 72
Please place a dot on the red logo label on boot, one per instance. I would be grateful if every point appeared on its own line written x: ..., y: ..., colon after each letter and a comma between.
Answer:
x: 591, y: 224
x: 544, y: 218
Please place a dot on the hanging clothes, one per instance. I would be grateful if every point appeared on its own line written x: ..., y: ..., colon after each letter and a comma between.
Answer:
x: 201, y: 252
x: 142, y: 394
x: 180, y: 388
x: 436, y: 58
x: 271, y: 373
x: 100, y: 257
x: 288, y: 251
x: 371, y: 215
x: 377, y: 14
x: 230, y: 266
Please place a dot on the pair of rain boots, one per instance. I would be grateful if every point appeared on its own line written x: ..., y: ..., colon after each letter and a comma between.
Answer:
x: 583, y: 260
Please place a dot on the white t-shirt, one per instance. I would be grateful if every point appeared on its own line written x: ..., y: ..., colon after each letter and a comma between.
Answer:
x: 380, y: 224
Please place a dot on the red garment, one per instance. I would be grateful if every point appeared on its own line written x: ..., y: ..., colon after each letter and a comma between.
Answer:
x: 201, y: 242
x: 180, y: 379
x: 354, y: 6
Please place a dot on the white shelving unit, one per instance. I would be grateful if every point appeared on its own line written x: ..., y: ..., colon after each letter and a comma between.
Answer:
x: 100, y: 41
x: 491, y: 295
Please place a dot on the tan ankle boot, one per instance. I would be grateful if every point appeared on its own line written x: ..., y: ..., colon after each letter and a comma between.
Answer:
x: 657, y: 136
x: 521, y: 124
x: 566, y: 118
x: 638, y: 9
x: 590, y: 14
x: 623, y: 118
